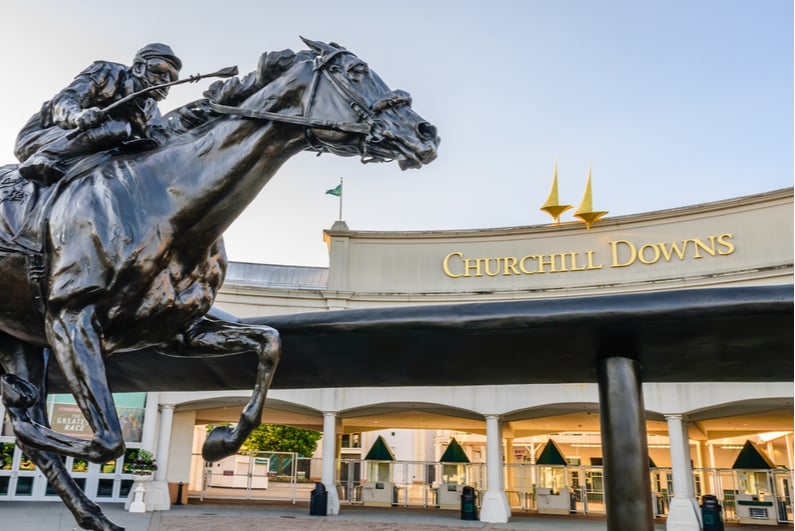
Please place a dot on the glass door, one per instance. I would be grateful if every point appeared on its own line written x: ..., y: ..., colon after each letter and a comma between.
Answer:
x: 6, y: 465
x: 23, y: 480
x: 78, y: 469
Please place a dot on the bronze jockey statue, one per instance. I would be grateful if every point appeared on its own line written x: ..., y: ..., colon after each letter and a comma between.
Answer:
x: 45, y: 146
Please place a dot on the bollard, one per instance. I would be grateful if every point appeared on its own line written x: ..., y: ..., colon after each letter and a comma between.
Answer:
x: 179, y: 494
x: 711, y: 513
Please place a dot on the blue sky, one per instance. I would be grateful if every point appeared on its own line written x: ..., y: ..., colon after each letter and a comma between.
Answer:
x: 673, y: 102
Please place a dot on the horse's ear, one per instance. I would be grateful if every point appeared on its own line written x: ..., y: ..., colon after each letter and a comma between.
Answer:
x: 319, y: 47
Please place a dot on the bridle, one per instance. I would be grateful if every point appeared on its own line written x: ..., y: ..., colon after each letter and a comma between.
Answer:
x: 368, y: 125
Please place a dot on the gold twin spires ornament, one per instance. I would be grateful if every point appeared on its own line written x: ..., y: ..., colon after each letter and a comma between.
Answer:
x: 584, y: 212
x: 552, y: 205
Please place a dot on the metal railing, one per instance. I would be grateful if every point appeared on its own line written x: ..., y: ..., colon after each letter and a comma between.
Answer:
x: 528, y: 487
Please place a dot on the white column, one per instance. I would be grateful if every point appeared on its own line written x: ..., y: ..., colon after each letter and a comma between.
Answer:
x: 157, y: 496
x: 494, y: 507
x: 328, y: 471
x: 684, y: 513
x: 149, y: 430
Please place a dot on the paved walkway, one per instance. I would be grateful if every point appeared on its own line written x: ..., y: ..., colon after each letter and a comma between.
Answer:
x: 53, y: 516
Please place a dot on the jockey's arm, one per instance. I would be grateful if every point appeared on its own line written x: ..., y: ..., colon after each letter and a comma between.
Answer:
x: 78, y: 104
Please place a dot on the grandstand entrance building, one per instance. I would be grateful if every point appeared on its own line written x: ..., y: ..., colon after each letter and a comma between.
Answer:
x: 523, y: 446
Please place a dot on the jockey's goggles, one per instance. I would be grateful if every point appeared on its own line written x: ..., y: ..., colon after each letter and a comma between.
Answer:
x: 161, y: 66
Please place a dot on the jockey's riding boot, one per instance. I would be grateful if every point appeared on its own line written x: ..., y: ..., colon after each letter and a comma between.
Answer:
x: 42, y: 168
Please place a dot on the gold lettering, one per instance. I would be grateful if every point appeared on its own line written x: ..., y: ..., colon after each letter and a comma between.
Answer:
x: 550, y: 263
x: 446, y: 264
x: 698, y: 243
x: 486, y: 262
x: 632, y: 256
x: 476, y: 267
x: 562, y: 257
x: 523, y: 268
x: 510, y: 264
x: 655, y: 250
x: 668, y: 253
x: 624, y: 253
x: 590, y: 266
x: 574, y: 262
x: 729, y: 246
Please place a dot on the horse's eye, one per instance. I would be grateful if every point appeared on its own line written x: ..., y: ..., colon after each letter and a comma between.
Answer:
x: 358, y: 69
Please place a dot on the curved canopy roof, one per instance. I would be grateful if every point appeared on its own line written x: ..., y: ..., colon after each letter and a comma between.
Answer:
x: 717, y: 334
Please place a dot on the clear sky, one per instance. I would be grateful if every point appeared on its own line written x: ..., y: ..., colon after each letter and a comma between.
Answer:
x: 673, y: 102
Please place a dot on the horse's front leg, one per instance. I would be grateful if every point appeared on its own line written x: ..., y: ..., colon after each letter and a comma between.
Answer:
x: 213, y: 338
x: 76, y: 344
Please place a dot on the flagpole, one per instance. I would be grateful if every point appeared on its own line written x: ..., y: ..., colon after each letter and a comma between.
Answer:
x: 341, y: 191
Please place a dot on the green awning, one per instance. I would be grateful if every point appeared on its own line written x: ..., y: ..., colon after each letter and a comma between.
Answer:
x: 379, y: 451
x: 454, y: 453
x: 751, y: 457
x: 551, y: 455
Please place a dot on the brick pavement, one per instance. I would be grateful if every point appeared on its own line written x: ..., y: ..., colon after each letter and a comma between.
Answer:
x: 288, y: 523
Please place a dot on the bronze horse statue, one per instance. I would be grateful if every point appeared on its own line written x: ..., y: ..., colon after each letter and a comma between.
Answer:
x: 126, y: 251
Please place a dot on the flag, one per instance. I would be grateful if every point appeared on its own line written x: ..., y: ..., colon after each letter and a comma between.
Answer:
x: 335, y: 191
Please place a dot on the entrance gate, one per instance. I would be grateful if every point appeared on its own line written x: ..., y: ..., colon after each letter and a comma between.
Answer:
x: 262, y: 476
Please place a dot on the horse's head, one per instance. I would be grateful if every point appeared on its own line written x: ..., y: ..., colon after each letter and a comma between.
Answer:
x: 348, y: 90
x: 345, y: 109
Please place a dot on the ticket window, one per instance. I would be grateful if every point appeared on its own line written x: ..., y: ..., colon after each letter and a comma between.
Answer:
x: 454, y: 474
x: 379, y: 471
x: 754, y: 483
x: 552, y: 477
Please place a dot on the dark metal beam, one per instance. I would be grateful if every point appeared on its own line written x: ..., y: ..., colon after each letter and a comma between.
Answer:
x: 677, y: 336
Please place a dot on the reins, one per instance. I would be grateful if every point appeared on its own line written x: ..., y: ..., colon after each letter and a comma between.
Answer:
x: 347, y: 127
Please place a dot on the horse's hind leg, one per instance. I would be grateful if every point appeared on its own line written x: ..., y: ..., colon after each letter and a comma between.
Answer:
x: 213, y: 338
x: 29, y: 365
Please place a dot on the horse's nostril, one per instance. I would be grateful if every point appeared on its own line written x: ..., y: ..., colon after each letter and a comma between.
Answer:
x: 426, y: 131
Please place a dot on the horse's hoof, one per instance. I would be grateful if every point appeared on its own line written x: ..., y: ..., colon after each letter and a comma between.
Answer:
x: 17, y: 392
x: 217, y: 446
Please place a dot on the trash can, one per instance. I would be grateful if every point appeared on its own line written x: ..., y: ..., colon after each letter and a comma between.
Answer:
x: 318, y: 500
x: 469, y: 508
x: 710, y: 513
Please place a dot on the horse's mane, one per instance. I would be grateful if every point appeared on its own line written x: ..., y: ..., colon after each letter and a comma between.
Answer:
x: 232, y: 91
